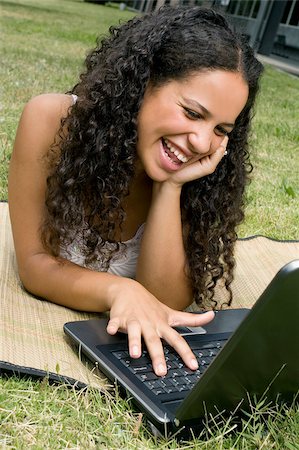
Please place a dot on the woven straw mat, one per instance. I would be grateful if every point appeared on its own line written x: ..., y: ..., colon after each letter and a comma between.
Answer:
x: 31, y: 330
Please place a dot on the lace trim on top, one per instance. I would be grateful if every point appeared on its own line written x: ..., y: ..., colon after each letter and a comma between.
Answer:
x: 74, y: 97
x: 123, y: 263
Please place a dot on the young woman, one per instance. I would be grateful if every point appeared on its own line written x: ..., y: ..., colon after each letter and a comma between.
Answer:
x: 126, y: 192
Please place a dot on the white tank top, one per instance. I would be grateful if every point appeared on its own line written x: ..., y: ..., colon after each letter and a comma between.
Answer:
x: 123, y: 263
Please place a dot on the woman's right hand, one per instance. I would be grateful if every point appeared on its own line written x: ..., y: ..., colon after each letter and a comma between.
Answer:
x: 135, y: 311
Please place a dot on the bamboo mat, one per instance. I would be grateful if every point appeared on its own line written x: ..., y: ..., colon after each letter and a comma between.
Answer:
x: 31, y: 330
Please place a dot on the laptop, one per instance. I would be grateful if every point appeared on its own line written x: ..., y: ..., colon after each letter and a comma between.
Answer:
x: 244, y: 356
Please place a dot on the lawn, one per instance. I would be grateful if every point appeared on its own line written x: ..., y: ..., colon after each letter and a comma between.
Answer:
x: 44, y: 44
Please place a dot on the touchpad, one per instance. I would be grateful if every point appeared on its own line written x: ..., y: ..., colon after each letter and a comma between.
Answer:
x: 197, y: 330
x: 186, y: 331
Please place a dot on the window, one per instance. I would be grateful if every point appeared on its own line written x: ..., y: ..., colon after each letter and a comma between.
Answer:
x: 244, y: 8
x: 291, y: 13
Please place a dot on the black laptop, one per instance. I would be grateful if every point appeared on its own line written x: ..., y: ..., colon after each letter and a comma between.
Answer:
x: 243, y: 355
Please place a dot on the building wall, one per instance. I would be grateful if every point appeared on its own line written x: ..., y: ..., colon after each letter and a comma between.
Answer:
x: 287, y: 38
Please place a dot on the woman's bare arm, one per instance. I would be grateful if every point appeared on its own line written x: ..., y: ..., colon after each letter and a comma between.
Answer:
x: 162, y: 261
x: 57, y: 280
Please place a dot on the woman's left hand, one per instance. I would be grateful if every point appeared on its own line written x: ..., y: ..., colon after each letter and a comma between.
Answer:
x: 199, y: 167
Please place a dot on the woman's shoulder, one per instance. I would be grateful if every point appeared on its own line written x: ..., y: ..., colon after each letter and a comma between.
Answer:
x: 39, y: 124
x: 53, y: 106
x: 42, y: 115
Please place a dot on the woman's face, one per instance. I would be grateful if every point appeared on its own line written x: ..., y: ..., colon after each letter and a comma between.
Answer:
x: 188, y: 119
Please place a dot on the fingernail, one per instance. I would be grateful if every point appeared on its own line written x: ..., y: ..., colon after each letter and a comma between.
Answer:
x: 161, y: 369
x: 194, y: 364
x: 135, y: 350
x: 111, y: 329
x: 225, y: 141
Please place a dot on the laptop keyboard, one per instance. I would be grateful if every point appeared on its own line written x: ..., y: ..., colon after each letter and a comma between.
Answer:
x: 179, y: 378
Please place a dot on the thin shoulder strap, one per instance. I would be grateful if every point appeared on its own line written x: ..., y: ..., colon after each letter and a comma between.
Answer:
x: 75, y: 97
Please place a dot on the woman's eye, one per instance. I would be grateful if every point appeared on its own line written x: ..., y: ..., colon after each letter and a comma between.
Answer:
x: 192, y: 114
x: 221, y: 131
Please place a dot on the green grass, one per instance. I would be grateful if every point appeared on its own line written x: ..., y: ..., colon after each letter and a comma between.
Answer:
x: 44, y: 44
x: 36, y: 415
x: 272, y: 208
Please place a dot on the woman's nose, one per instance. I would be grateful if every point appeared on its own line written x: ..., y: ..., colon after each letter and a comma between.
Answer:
x: 200, y: 141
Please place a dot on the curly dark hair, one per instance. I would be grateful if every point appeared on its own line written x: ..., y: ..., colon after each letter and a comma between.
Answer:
x: 94, y: 164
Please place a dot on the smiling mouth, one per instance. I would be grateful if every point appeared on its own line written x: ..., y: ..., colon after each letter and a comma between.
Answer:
x: 173, y: 153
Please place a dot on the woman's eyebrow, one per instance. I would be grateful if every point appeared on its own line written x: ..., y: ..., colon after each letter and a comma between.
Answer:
x: 194, y: 103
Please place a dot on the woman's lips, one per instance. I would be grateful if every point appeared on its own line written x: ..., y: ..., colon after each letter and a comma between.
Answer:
x: 181, y: 154
x: 168, y: 160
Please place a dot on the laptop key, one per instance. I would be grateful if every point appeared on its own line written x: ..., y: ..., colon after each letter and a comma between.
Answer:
x: 158, y: 391
x: 142, y: 361
x: 166, y: 382
x: 184, y: 387
x: 120, y: 354
x: 175, y: 383
x: 186, y: 371
x: 207, y: 345
x: 140, y: 369
x: 174, y: 365
x: 192, y: 379
x: 178, y: 364
x: 180, y: 380
x: 170, y: 357
x: 208, y: 360
x: 173, y: 373
x: 155, y: 386
x: 148, y: 376
x: 170, y: 389
x: 201, y: 353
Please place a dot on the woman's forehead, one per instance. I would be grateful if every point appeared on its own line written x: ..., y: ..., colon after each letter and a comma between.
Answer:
x: 214, y: 92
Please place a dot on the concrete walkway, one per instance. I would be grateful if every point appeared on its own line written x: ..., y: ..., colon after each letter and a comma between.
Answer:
x: 287, y: 65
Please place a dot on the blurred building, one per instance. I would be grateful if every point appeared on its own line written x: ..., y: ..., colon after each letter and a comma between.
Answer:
x: 272, y: 26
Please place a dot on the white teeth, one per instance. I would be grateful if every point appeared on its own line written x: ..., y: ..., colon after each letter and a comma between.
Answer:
x: 182, y: 158
x: 176, y: 152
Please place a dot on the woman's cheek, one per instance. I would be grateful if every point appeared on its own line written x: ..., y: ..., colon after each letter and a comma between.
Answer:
x: 216, y: 143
